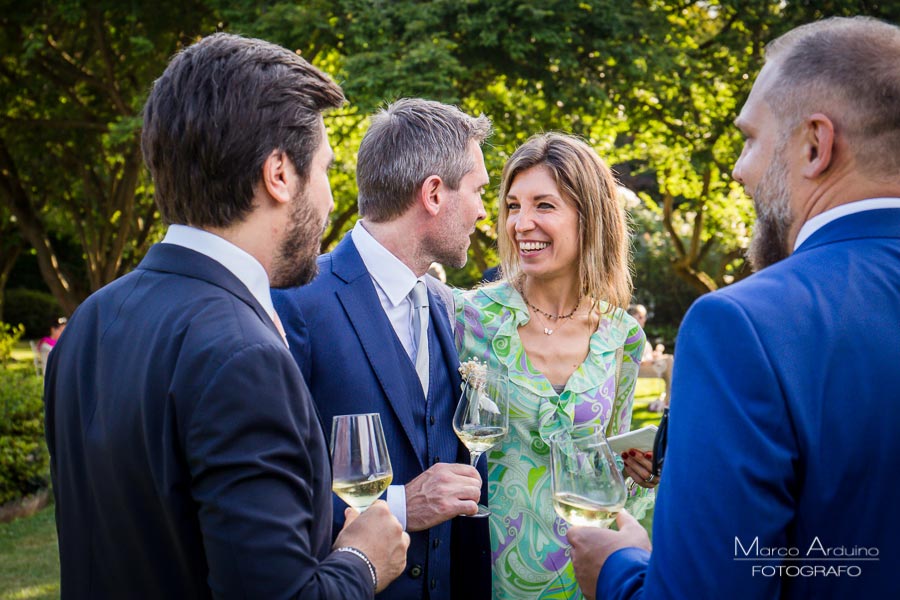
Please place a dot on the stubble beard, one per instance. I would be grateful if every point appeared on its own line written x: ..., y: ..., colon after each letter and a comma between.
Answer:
x: 295, y: 264
x: 772, y: 202
x: 450, y: 246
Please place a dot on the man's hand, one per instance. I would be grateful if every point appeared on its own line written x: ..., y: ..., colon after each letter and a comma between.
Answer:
x: 377, y: 534
x: 591, y: 546
x: 444, y: 491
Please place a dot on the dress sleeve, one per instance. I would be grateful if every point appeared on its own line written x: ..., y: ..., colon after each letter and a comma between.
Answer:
x: 620, y: 421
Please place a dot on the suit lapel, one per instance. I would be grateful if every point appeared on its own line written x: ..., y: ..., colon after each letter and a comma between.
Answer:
x: 372, y: 327
x: 444, y: 331
x: 171, y: 258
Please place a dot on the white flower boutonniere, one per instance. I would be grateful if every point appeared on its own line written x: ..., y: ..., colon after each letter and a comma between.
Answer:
x: 475, y: 377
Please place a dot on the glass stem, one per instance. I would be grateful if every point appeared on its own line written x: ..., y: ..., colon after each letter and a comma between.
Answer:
x: 473, y: 457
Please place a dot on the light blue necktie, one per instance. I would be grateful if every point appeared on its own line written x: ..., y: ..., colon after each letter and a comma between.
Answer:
x: 419, y: 297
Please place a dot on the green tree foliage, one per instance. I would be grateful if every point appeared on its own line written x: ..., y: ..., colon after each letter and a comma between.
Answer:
x: 652, y: 84
x: 73, y: 76
x: 9, y: 336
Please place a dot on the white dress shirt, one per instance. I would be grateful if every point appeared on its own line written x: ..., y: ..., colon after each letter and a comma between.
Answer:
x: 819, y: 221
x: 241, y: 264
x: 393, y: 282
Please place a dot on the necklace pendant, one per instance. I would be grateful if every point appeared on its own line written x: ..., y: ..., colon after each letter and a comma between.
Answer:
x: 548, y: 331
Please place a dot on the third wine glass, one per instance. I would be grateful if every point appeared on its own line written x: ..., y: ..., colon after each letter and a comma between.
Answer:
x: 587, y: 485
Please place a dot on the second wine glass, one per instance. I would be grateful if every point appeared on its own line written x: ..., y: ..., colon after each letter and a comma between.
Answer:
x: 481, y: 419
x: 587, y: 485
x: 359, y: 457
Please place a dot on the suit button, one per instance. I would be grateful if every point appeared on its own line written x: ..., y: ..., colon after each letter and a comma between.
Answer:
x: 415, y: 572
x: 435, y: 543
x: 433, y: 584
x: 432, y: 419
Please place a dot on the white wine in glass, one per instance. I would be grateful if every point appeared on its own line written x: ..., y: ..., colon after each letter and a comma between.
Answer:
x: 481, y: 419
x: 360, y: 463
x: 588, y: 488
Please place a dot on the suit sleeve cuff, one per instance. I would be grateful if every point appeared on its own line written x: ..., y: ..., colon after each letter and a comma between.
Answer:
x: 623, y: 573
x: 396, y: 499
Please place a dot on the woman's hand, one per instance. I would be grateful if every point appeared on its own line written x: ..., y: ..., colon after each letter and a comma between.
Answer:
x: 638, y: 466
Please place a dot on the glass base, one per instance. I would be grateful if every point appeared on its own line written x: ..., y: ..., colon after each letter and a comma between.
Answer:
x: 483, y: 511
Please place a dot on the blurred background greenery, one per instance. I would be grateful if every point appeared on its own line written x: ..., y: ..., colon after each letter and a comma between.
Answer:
x: 653, y: 85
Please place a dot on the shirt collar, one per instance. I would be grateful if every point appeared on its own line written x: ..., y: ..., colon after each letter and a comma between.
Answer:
x: 394, y: 278
x: 819, y: 221
x: 241, y: 264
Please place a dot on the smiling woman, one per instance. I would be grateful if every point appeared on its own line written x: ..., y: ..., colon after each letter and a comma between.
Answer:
x: 557, y: 327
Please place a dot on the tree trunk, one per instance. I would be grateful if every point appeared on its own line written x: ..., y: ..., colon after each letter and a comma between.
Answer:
x: 8, y: 258
x: 32, y: 229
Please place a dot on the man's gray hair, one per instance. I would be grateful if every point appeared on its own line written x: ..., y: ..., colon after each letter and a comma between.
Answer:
x: 407, y: 142
x: 849, y: 69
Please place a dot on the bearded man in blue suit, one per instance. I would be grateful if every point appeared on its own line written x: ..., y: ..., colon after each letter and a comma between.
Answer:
x: 187, y: 457
x: 364, y: 345
x: 783, y: 441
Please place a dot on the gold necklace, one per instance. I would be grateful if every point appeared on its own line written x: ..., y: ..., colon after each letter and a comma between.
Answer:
x: 548, y: 330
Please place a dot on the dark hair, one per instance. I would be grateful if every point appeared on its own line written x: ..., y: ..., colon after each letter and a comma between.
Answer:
x: 408, y: 142
x: 221, y: 107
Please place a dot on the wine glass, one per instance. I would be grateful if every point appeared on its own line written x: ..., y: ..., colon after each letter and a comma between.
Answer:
x: 359, y: 457
x: 587, y: 485
x: 481, y: 419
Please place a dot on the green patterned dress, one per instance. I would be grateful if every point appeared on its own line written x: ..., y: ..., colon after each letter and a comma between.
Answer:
x: 529, y: 551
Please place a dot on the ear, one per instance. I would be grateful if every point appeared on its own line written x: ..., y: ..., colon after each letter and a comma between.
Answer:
x: 277, y: 176
x: 431, y: 194
x: 818, y: 145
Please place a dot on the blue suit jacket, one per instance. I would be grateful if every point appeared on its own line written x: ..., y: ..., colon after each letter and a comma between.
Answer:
x: 784, y: 443
x: 186, y: 455
x: 351, y: 358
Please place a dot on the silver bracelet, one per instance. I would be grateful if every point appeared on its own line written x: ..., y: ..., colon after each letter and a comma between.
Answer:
x: 359, y: 553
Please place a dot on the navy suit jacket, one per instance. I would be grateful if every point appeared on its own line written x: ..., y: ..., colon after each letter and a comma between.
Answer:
x: 354, y: 362
x: 780, y: 476
x: 187, y: 458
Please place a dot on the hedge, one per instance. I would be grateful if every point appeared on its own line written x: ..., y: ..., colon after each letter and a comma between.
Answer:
x: 33, y: 308
x: 24, y: 460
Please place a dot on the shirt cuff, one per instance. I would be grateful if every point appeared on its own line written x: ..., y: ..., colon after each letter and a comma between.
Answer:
x: 396, y: 499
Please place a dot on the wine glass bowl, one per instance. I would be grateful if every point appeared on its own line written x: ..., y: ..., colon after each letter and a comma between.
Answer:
x: 587, y: 486
x: 361, y: 466
x: 481, y: 420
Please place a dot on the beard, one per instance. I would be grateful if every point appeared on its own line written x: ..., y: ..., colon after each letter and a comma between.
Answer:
x: 295, y: 263
x: 450, y: 246
x: 772, y: 201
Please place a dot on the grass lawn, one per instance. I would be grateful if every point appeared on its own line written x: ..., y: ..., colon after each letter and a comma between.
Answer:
x: 646, y: 391
x: 30, y: 558
x: 22, y: 357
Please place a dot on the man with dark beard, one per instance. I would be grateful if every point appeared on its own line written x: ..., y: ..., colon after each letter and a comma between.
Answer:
x: 187, y: 457
x: 783, y: 442
x: 365, y: 343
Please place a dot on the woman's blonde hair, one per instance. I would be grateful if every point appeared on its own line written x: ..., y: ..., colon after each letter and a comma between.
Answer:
x: 583, y: 178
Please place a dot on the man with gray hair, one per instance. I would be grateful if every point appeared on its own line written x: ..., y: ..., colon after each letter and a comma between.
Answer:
x: 783, y: 439
x: 372, y: 333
